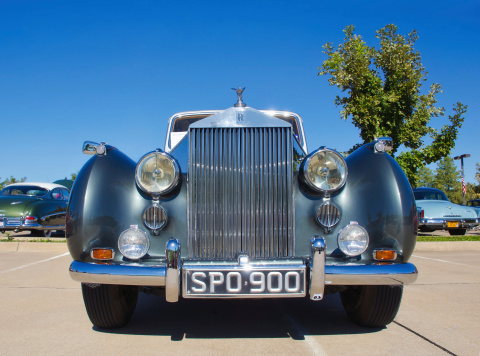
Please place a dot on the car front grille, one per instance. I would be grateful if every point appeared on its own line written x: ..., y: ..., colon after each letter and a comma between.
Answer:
x: 240, y: 193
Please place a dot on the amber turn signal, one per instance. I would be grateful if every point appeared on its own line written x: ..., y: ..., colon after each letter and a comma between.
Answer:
x: 102, y: 254
x: 384, y: 255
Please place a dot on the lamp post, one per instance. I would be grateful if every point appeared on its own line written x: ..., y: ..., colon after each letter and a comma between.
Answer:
x: 461, y: 157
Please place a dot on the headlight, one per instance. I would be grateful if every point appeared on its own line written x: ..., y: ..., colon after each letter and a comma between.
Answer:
x: 157, y: 173
x: 325, y: 170
x: 133, y: 243
x: 353, y: 240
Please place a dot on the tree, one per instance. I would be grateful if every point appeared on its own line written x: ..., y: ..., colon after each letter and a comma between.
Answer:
x: 447, y: 179
x: 382, y: 96
x: 425, y: 177
x: 11, y: 180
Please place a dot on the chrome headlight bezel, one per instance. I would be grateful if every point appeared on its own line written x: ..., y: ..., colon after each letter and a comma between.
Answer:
x: 169, y: 188
x: 308, y: 180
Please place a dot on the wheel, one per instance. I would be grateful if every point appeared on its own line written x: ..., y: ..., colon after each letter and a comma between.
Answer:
x: 372, y: 306
x: 457, y: 232
x: 109, y: 306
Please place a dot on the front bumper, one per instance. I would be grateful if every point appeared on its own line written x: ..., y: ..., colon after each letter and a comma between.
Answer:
x: 318, y: 273
x: 442, y: 224
x: 19, y: 224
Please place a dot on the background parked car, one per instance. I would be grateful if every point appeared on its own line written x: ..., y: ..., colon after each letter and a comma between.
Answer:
x: 436, y: 212
x: 36, y: 207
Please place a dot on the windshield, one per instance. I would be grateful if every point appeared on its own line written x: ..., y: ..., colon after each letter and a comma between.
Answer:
x: 430, y: 195
x: 29, y: 190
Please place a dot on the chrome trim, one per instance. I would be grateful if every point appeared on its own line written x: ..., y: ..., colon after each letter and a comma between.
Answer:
x: 123, y: 274
x: 317, y: 268
x: 306, y: 178
x: 102, y: 248
x: 440, y: 224
x: 371, y: 274
x: 155, y: 218
x: 172, y: 186
x: 93, y: 148
x: 328, y: 215
x: 252, y: 267
x: 155, y: 275
x: 43, y: 218
x: 206, y: 113
x: 383, y: 144
x: 256, y: 217
x: 172, y: 282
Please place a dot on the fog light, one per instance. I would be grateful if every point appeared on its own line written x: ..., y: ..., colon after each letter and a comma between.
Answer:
x: 353, y: 239
x: 384, y: 255
x: 133, y: 243
x: 102, y: 253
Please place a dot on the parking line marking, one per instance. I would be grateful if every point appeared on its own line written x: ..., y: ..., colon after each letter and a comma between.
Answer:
x: 34, y: 263
x: 437, y: 260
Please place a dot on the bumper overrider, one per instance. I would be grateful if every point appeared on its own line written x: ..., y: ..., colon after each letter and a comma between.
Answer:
x: 244, y: 278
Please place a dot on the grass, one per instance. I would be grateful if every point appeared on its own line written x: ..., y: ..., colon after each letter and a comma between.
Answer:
x: 449, y: 238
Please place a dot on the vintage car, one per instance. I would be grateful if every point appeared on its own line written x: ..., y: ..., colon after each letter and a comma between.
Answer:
x: 436, y: 212
x: 36, y: 207
x: 236, y: 207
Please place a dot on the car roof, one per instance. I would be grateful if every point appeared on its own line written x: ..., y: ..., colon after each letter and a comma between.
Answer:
x: 426, y: 189
x: 48, y: 186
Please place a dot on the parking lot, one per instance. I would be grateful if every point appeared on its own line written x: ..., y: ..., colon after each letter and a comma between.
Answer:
x: 42, y: 312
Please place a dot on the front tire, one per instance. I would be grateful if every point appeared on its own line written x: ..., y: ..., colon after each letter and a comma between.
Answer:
x: 109, y: 306
x: 458, y: 232
x: 372, y: 306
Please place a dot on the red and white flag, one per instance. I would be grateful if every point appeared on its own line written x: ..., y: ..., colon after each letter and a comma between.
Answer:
x: 463, y: 186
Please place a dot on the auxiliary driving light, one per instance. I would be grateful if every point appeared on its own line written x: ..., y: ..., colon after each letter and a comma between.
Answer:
x: 353, y: 239
x: 157, y: 173
x: 133, y: 243
x: 325, y: 170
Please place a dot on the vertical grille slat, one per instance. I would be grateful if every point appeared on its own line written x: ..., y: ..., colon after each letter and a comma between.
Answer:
x: 240, y: 193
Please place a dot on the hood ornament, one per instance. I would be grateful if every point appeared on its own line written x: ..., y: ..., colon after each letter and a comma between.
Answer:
x: 239, y: 102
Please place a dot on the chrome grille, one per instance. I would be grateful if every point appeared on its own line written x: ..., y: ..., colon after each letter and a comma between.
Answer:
x: 240, y: 193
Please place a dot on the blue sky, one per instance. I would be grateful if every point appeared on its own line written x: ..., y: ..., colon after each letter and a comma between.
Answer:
x: 115, y: 71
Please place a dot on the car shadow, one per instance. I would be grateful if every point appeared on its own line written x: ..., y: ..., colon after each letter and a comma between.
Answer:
x: 242, y: 318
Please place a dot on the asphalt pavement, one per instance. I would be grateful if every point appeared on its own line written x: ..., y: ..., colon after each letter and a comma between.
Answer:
x: 42, y: 313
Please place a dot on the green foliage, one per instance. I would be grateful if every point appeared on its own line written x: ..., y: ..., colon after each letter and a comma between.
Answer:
x: 382, y: 96
x: 447, y: 179
x: 11, y: 180
x: 425, y: 177
x: 73, y: 176
x: 429, y: 238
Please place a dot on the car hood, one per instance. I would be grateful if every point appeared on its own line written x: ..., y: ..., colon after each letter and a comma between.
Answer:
x: 15, y: 205
x: 436, y: 209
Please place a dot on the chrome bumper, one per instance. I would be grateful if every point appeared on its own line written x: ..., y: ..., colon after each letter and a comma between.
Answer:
x: 168, y: 274
x: 441, y: 224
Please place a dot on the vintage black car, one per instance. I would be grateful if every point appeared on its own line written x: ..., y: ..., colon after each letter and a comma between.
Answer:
x: 236, y: 207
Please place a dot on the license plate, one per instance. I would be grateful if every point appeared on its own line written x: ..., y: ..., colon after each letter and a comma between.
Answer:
x: 242, y: 282
x: 453, y: 224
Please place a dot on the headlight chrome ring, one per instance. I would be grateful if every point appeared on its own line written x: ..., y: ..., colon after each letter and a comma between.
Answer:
x: 325, y: 170
x: 157, y: 173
